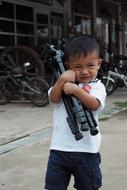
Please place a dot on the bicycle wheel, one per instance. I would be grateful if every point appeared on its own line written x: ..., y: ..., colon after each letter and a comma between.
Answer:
x: 40, y: 97
x: 110, y: 86
x: 6, y: 92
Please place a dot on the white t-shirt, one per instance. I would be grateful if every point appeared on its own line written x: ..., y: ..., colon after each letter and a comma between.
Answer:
x: 62, y: 137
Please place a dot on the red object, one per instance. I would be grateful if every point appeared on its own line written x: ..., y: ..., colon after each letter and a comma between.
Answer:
x: 86, y: 88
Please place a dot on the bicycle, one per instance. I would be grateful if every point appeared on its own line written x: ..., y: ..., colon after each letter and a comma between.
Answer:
x: 113, y: 80
x: 15, y: 82
x: 117, y: 65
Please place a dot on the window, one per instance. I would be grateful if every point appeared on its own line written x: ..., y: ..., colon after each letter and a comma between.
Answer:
x: 24, y: 13
x: 24, y: 28
x: 24, y: 25
x: 25, y: 40
x: 6, y: 26
x: 6, y: 40
x: 7, y: 10
x: 16, y: 25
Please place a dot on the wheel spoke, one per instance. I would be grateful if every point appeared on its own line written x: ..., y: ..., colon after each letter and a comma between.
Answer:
x: 11, y: 60
x: 17, y: 58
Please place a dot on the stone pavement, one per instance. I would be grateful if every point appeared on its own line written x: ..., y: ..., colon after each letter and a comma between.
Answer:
x: 24, y: 168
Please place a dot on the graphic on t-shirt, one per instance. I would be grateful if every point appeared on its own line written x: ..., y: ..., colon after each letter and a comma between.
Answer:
x: 86, y: 88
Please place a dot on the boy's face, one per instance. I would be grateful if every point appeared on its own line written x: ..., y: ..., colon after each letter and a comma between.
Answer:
x: 85, y: 68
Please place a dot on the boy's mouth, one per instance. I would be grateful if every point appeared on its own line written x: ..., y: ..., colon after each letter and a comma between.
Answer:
x: 85, y: 78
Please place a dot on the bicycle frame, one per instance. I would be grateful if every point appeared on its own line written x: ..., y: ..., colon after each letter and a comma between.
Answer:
x: 24, y: 84
x: 117, y: 75
x: 108, y: 78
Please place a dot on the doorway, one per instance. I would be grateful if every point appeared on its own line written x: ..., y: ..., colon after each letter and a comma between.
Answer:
x: 42, y: 27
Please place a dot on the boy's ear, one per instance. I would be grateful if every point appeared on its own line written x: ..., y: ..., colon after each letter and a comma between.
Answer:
x: 99, y: 63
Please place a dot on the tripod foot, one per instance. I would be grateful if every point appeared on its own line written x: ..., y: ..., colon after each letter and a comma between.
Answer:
x: 94, y: 131
x: 78, y: 136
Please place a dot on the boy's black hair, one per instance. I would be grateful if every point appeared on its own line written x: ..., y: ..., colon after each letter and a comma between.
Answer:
x: 83, y: 44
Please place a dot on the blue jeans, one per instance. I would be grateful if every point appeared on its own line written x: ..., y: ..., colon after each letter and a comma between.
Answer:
x: 83, y: 166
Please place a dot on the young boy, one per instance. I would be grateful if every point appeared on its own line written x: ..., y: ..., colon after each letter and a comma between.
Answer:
x: 67, y: 156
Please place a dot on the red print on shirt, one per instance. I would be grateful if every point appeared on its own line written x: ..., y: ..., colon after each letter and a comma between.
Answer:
x: 86, y: 88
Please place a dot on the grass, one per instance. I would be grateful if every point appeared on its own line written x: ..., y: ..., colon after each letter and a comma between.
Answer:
x: 118, y: 106
x: 121, y: 104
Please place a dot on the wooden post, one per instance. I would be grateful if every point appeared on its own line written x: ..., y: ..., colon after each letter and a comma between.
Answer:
x: 93, y: 18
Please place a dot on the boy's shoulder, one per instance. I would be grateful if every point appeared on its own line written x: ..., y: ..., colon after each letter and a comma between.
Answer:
x: 97, y: 85
x: 94, y: 82
x: 94, y: 85
x: 97, y: 82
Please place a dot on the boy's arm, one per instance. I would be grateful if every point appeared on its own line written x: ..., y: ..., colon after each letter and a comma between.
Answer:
x: 86, y: 99
x: 56, y: 92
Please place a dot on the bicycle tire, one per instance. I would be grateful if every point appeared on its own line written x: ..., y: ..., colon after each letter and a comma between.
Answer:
x: 40, y: 84
x: 6, y: 92
x: 110, y: 87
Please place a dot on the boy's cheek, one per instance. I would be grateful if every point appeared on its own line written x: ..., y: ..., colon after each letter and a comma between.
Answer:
x: 76, y: 74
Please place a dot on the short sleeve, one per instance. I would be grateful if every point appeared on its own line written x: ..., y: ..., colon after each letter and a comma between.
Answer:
x: 98, y: 91
x: 53, y: 104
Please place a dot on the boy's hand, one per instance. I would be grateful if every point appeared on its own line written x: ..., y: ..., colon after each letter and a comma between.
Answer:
x: 56, y: 92
x: 86, y: 99
x: 70, y: 88
x: 68, y: 76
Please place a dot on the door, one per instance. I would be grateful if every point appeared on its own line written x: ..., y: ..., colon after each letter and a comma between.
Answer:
x: 57, y: 26
x: 82, y: 24
x: 41, y: 27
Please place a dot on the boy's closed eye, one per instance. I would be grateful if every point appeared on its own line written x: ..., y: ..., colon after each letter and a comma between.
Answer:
x: 91, y: 64
x: 76, y: 66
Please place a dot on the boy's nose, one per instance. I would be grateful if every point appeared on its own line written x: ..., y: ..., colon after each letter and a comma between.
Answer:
x: 84, y: 71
